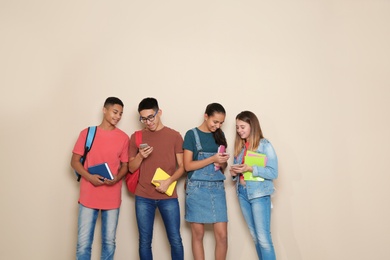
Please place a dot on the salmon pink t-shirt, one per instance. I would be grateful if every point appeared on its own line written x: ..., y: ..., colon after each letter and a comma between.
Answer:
x: 110, y: 146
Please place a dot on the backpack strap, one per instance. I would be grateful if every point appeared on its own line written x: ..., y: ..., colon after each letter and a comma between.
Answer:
x: 197, y: 140
x: 138, y: 138
x: 90, y: 137
x: 88, y: 145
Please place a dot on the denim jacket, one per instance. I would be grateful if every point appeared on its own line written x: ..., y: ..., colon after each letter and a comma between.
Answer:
x: 258, y: 189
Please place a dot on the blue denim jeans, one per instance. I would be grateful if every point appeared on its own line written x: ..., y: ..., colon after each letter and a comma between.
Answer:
x: 145, y: 210
x: 257, y: 214
x: 86, y: 229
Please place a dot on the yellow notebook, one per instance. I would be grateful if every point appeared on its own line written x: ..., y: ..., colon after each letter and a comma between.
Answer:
x: 251, y: 159
x: 160, y: 175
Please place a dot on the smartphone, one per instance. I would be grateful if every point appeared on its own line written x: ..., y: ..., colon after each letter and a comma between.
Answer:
x: 221, y: 149
x: 142, y: 146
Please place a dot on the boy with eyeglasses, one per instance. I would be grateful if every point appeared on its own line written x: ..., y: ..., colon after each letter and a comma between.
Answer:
x: 111, y: 146
x: 164, y: 150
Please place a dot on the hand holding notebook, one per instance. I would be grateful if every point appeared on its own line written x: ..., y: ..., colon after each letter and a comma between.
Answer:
x: 102, y: 170
x: 254, y: 159
x: 161, y: 175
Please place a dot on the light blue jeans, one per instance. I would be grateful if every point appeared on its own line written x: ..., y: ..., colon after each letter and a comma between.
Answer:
x: 86, y: 229
x: 145, y: 210
x: 257, y: 214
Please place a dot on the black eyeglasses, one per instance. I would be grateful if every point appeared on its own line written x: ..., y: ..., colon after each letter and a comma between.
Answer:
x: 150, y: 118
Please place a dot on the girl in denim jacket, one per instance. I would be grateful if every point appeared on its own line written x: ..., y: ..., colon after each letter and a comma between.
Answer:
x: 255, y: 187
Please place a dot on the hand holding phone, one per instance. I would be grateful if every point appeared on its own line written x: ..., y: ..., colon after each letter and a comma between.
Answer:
x: 221, y: 149
x: 235, y: 169
x: 143, y: 146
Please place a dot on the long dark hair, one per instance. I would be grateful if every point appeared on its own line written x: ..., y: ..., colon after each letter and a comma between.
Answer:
x: 218, y: 134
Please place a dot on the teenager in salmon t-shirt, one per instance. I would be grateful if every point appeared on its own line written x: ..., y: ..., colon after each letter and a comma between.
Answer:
x: 110, y: 146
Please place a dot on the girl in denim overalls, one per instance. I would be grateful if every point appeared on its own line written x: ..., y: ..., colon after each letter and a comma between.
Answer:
x: 254, y: 194
x: 205, y: 191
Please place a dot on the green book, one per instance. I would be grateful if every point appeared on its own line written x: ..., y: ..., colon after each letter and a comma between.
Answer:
x: 254, y: 159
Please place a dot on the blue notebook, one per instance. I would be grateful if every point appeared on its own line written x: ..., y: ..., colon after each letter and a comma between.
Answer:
x: 102, y: 170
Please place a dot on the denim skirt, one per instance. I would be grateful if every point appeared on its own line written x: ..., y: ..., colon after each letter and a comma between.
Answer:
x: 205, y: 202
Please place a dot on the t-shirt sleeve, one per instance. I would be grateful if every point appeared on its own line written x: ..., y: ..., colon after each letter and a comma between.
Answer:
x: 133, y: 149
x: 178, y: 143
x: 125, y: 150
x: 79, y: 146
x: 189, y: 141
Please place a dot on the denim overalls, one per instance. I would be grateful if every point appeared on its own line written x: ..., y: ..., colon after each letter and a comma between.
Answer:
x: 205, y: 192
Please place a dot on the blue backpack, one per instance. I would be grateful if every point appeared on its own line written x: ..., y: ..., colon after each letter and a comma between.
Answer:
x: 87, y: 147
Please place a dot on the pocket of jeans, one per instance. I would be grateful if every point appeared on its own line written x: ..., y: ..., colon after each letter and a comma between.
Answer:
x: 191, y: 189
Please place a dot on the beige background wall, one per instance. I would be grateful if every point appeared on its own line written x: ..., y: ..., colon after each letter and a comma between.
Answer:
x: 315, y: 72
